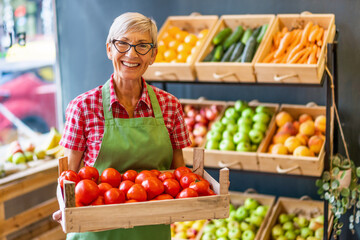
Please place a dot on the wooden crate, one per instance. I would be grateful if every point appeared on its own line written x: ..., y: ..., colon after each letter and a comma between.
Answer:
x: 311, y: 166
x: 293, y: 205
x: 84, y: 219
x: 201, y: 102
x: 180, y: 71
x: 239, y: 160
x: 18, y: 184
x: 230, y: 71
x: 295, y: 73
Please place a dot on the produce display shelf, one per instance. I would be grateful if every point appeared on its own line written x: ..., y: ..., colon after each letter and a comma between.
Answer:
x: 85, y: 219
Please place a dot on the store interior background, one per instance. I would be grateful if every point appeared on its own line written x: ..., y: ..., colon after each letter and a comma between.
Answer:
x: 82, y: 28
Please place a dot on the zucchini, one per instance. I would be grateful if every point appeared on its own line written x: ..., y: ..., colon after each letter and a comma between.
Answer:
x: 228, y: 53
x: 262, y: 32
x: 219, y: 51
x: 210, y: 55
x: 249, y: 50
x: 256, y: 32
x: 237, y: 51
x: 246, y: 36
x: 234, y: 37
x: 221, y: 36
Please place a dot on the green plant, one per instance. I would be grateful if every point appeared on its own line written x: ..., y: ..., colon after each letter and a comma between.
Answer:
x: 341, y: 188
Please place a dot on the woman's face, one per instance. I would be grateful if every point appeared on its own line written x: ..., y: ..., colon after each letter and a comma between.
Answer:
x: 131, y: 65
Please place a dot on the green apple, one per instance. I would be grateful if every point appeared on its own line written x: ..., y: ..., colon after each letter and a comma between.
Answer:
x: 234, y: 233
x: 260, y: 126
x: 319, y: 233
x: 320, y: 219
x: 212, y: 144
x: 244, y: 128
x: 9, y: 158
x: 306, y: 232
x: 221, y: 232
x: 210, y: 228
x: 256, y: 136
x: 246, y: 226
x: 29, y: 156
x: 233, y: 224
x: 241, y: 213
x: 225, y: 121
x: 222, y: 238
x: 282, y: 238
x: 288, y: 226
x: 243, y: 120
x: 231, y: 113
x: 248, y: 235
x: 197, y: 225
x: 261, y: 210
x: 301, y: 222
x: 255, y: 220
x: 232, y: 216
x: 227, y: 145
x: 217, y: 127
x: 290, y: 235
x: 231, y: 208
x: 208, y: 236
x: 181, y: 235
x: 233, y: 128
x: 254, y: 147
x: 18, y: 158
x: 240, y: 105
x: 40, y: 154
x: 277, y: 231
x: 248, y: 113
x: 213, y: 135
x: 241, y: 137
x: 262, y: 109
x: 261, y: 117
x: 283, y: 218
x: 227, y: 135
x: 220, y: 223
x: 243, y: 147
x: 251, y: 204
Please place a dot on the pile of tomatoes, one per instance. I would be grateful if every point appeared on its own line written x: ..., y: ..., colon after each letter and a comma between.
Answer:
x: 112, y: 187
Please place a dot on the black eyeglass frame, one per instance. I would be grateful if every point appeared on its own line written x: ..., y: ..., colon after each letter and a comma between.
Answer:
x: 132, y: 45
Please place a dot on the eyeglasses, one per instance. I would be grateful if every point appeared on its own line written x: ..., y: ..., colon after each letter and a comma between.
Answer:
x: 141, y: 48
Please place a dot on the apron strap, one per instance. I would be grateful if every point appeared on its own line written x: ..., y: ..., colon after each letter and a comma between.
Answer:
x: 108, y: 114
x: 154, y: 102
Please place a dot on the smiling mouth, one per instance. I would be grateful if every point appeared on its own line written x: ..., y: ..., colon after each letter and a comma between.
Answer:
x: 127, y: 64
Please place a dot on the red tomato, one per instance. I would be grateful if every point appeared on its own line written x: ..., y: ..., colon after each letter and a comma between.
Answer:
x: 187, y: 193
x: 68, y: 175
x: 163, y: 197
x: 180, y: 171
x: 211, y: 192
x: 129, y: 175
x: 166, y: 175
x: 153, y: 187
x: 137, y: 192
x: 98, y: 201
x: 111, y: 176
x: 125, y: 186
x: 143, y: 175
x: 103, y: 187
x: 86, y: 191
x: 156, y: 172
x: 172, y: 187
x: 188, y: 178
x: 90, y: 173
x: 114, y: 196
x: 201, y: 187
x: 130, y: 201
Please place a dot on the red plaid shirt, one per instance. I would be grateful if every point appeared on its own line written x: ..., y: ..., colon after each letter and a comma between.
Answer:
x: 84, y: 127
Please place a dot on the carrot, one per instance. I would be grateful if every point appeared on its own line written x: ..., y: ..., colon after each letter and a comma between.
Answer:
x: 294, y: 51
x: 296, y: 38
x: 277, y: 39
x: 319, y: 43
x: 269, y: 57
x: 276, y: 60
x: 313, y: 33
x: 304, y: 57
x: 312, y: 58
x: 284, y: 30
x: 318, y: 51
x: 297, y: 56
x: 284, y: 43
x: 319, y: 34
x: 306, y: 32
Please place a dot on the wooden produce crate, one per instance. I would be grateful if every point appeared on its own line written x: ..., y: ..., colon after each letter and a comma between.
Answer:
x: 239, y: 160
x: 20, y: 188
x: 198, y: 103
x: 306, y: 208
x: 180, y: 71
x: 84, y: 219
x: 283, y: 164
x: 295, y: 73
x: 230, y: 71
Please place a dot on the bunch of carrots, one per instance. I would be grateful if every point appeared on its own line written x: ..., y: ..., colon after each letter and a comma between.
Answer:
x: 301, y: 46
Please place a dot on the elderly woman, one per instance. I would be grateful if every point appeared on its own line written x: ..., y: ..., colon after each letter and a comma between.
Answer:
x: 126, y: 123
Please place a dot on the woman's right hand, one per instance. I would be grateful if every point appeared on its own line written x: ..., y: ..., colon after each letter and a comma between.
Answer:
x: 57, y: 216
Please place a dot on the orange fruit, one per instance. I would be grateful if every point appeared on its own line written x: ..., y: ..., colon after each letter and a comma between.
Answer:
x: 173, y: 31
x: 173, y: 44
x: 161, y: 49
x: 191, y: 39
x: 193, y: 50
x: 184, y: 47
x: 203, y: 33
x: 182, y: 56
x: 189, y: 58
x: 180, y: 36
x: 159, y: 57
x: 169, y: 55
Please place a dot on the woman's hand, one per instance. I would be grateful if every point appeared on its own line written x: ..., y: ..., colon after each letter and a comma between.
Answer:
x: 57, y: 216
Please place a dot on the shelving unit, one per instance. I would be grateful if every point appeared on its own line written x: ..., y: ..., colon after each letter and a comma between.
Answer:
x: 332, y: 65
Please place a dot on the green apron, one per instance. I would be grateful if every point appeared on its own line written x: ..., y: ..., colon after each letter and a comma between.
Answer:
x: 134, y: 143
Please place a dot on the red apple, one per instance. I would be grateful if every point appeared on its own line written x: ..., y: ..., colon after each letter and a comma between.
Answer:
x: 200, y: 131
x: 187, y: 108
x: 201, y: 119
x: 191, y: 113
x: 199, y: 140
x: 202, y: 112
x: 210, y: 114
x: 190, y: 122
x: 214, y: 108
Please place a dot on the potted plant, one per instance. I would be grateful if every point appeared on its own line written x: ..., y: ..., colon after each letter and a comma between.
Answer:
x: 341, y: 188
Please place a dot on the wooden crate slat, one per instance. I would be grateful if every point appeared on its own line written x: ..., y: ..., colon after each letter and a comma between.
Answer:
x: 28, y: 217
x: 53, y: 234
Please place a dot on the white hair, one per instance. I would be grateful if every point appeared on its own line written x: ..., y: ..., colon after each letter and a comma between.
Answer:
x: 132, y: 22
